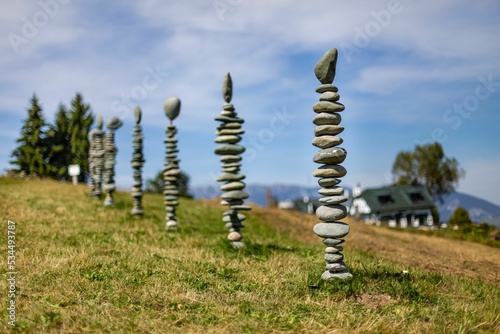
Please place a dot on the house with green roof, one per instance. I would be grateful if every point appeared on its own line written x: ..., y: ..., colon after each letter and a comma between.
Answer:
x: 398, y: 205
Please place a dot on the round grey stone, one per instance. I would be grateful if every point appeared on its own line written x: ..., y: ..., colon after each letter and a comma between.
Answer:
x: 321, y: 130
x: 333, y: 257
x: 328, y: 182
x: 226, y: 119
x: 172, y: 107
x: 333, y: 199
x: 329, y: 242
x: 332, y: 155
x: 230, y: 177
x: 230, y: 158
x: 226, y: 132
x: 327, y: 141
x: 235, y: 185
x: 336, y: 275
x: 231, y: 139
x: 330, y: 171
x: 331, y: 212
x: 326, y: 106
x: 326, y: 66
x: 234, y: 194
x: 239, y: 218
x: 331, y: 230
x: 326, y: 88
x: 335, y: 266
x: 229, y: 149
x: 329, y: 96
x: 331, y: 191
x: 241, y: 207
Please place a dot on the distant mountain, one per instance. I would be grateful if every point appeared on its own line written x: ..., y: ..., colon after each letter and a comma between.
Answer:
x: 479, y: 210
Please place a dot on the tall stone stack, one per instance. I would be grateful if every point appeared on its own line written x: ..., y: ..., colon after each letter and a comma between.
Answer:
x: 137, y: 163
x: 110, y: 152
x: 171, y: 170
x: 228, y: 135
x: 327, y: 123
x: 96, y: 159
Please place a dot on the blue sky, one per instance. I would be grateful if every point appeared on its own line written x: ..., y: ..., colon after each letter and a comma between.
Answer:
x: 409, y: 72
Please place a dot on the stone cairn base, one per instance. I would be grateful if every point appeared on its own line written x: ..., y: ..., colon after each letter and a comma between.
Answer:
x: 110, y: 152
x: 137, y: 163
x: 228, y: 135
x: 327, y: 128
x: 96, y: 159
x: 171, y: 170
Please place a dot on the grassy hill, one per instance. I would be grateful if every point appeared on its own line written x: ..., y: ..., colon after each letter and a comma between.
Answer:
x: 82, y: 268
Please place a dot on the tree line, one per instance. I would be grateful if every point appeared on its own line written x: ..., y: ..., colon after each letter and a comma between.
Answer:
x: 47, y: 149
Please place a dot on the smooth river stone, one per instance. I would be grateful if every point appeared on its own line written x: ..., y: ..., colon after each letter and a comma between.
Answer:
x: 230, y: 126
x: 326, y: 106
x: 331, y: 191
x: 331, y: 250
x: 240, y: 217
x: 240, y: 207
x: 333, y: 199
x: 331, y: 212
x: 326, y: 88
x: 230, y: 158
x: 335, y: 266
x: 231, y: 139
x: 330, y: 171
x: 337, y: 275
x: 333, y: 257
x: 328, y: 182
x: 227, y: 88
x: 172, y: 107
x: 229, y: 149
x: 235, y: 236
x: 226, y: 119
x: 327, y: 141
x: 232, y: 186
x: 234, y: 194
x: 329, y: 242
x: 328, y: 130
x: 331, y: 230
x: 231, y: 164
x: 326, y: 66
x: 324, y: 118
x: 230, y: 177
x: 329, y: 96
x: 333, y: 155
x: 226, y: 132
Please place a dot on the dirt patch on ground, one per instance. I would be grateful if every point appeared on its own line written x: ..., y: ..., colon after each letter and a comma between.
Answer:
x: 413, y: 250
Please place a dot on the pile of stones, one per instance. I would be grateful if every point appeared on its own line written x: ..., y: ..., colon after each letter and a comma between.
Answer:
x: 137, y: 163
x: 327, y: 128
x: 228, y: 135
x: 96, y: 159
x: 110, y: 152
x: 171, y: 170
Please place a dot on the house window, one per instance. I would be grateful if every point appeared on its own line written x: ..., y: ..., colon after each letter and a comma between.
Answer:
x: 416, y: 197
x: 385, y: 199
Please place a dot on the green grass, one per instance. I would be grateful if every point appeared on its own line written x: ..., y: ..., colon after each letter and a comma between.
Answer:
x: 82, y: 268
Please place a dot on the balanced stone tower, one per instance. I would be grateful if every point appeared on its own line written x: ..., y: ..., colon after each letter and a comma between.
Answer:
x: 171, y: 170
x: 96, y: 159
x: 137, y: 163
x: 228, y: 135
x: 110, y: 152
x: 331, y: 156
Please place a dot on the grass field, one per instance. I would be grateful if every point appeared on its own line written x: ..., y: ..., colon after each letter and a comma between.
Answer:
x: 81, y: 268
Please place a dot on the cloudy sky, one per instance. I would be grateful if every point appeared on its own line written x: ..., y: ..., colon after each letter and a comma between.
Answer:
x: 409, y: 72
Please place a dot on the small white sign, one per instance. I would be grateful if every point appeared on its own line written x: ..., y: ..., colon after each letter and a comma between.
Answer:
x: 74, y: 170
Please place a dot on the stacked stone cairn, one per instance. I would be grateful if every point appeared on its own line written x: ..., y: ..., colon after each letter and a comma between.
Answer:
x: 110, y: 152
x: 171, y: 170
x: 137, y: 163
x: 96, y: 159
x: 331, y: 156
x: 228, y: 135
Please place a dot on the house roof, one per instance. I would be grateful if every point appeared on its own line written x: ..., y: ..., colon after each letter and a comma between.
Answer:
x: 397, y: 198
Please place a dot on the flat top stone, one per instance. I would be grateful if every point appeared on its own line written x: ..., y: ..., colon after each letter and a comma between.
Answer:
x: 326, y: 67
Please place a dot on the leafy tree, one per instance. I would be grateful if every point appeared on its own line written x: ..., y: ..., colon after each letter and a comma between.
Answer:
x: 460, y: 217
x: 58, y: 143
x: 80, y: 121
x: 428, y: 166
x: 155, y: 185
x: 30, y: 155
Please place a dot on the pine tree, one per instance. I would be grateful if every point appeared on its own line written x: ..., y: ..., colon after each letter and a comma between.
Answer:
x: 30, y: 155
x: 58, y: 144
x: 80, y: 121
